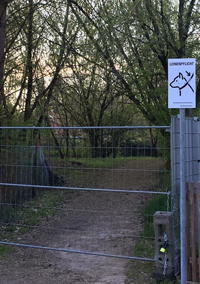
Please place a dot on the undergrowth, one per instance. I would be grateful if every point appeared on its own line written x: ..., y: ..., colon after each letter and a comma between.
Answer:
x: 4, y: 249
x: 20, y: 218
x: 157, y: 202
x: 109, y: 162
x: 145, y: 244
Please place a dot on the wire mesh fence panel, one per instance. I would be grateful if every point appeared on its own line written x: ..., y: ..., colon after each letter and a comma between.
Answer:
x: 89, y: 190
x: 191, y: 172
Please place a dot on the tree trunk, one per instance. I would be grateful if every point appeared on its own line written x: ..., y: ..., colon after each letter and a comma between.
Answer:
x: 2, y: 44
x: 27, y: 113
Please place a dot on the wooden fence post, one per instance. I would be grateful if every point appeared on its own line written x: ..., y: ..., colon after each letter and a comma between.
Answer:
x: 193, y: 262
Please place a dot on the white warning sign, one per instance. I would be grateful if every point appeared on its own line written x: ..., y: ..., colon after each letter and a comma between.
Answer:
x: 181, y: 83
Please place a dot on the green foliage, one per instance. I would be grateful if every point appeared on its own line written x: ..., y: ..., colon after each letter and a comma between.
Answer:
x: 145, y: 244
x: 157, y: 202
x: 30, y: 213
x: 107, y: 162
x: 144, y: 247
x: 4, y: 249
x: 46, y: 204
x: 99, y: 63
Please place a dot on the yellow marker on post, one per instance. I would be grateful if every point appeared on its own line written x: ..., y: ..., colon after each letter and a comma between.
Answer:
x: 162, y: 250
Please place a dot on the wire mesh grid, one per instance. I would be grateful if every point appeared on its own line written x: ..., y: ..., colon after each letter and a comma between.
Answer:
x: 191, y: 170
x: 92, y: 190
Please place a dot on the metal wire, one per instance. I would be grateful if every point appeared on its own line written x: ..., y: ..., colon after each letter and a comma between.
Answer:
x: 87, y: 189
x: 76, y: 251
x: 102, y: 185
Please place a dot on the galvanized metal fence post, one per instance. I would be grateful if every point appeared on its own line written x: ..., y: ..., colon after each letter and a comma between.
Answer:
x: 182, y: 197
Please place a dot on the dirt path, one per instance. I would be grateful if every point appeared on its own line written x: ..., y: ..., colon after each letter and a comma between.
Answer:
x: 102, y: 222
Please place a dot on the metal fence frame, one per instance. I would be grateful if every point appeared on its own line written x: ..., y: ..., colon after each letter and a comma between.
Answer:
x: 164, y: 128
x: 191, y: 168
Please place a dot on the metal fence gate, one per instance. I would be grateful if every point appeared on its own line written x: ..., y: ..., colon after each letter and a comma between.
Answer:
x: 91, y: 190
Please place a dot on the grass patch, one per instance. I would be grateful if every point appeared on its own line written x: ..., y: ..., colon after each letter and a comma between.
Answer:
x: 100, y: 162
x: 46, y: 204
x: 141, y: 271
x: 144, y: 248
x: 108, y: 162
x: 23, y: 217
x: 157, y: 202
x: 4, y: 250
x: 164, y: 183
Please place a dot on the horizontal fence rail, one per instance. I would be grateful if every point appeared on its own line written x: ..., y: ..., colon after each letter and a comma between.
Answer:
x: 82, y: 252
x: 87, y: 188
x: 85, y: 127
x: 90, y: 190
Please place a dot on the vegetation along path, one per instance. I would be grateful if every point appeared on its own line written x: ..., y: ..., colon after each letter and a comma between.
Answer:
x: 104, y: 222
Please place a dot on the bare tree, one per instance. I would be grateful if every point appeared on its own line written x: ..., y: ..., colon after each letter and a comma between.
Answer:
x: 3, y: 7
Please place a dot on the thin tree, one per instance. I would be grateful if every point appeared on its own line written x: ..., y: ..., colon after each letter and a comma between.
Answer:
x: 3, y: 8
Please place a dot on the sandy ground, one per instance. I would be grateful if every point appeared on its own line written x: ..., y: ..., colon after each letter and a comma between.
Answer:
x: 102, y: 222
